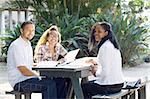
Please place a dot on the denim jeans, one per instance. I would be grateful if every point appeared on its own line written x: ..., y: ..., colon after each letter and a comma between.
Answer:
x: 45, y: 86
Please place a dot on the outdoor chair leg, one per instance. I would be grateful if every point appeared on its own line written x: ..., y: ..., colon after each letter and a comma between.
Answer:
x: 18, y: 96
x: 27, y: 95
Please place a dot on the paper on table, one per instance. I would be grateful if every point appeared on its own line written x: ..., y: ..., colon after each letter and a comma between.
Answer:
x: 47, y: 64
x: 78, y: 63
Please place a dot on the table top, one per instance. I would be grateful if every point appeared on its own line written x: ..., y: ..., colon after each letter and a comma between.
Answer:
x: 77, y: 65
x: 60, y: 69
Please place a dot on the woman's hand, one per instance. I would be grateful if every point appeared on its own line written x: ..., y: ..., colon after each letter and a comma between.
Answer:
x: 91, y: 61
x: 94, y: 66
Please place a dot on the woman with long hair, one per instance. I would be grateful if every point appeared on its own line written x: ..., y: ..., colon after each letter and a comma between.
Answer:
x: 49, y: 49
x: 107, y: 68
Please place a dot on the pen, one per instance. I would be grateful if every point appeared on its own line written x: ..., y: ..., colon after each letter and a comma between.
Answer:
x: 57, y: 64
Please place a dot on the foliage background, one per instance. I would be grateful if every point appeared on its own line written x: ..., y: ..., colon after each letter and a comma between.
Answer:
x: 75, y: 18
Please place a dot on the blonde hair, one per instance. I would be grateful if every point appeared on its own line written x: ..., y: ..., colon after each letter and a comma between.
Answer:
x: 43, y: 38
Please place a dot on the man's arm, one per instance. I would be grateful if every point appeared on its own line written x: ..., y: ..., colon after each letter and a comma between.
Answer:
x: 25, y: 71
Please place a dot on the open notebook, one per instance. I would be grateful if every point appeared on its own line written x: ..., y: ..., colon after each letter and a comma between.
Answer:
x: 71, y: 56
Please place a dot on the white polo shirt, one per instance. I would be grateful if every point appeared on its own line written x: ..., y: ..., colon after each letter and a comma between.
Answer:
x: 109, y: 65
x: 20, y: 53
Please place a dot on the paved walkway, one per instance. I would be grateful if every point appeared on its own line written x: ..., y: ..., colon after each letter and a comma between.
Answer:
x: 135, y: 72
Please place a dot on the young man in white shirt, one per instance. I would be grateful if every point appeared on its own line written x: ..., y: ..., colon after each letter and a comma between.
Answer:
x: 108, y: 67
x: 20, y: 62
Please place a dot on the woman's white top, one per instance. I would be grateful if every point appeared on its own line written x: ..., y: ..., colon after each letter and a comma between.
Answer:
x: 109, y: 65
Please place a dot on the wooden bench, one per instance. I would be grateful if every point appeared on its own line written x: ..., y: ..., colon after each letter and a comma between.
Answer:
x: 126, y: 93
x: 18, y: 95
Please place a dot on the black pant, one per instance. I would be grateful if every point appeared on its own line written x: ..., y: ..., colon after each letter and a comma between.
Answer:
x: 62, y: 87
x: 90, y: 89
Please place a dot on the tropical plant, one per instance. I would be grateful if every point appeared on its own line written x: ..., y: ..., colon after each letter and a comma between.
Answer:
x: 50, y: 10
x: 66, y: 14
x: 75, y: 28
x: 135, y: 6
x: 9, y: 37
x: 75, y: 33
